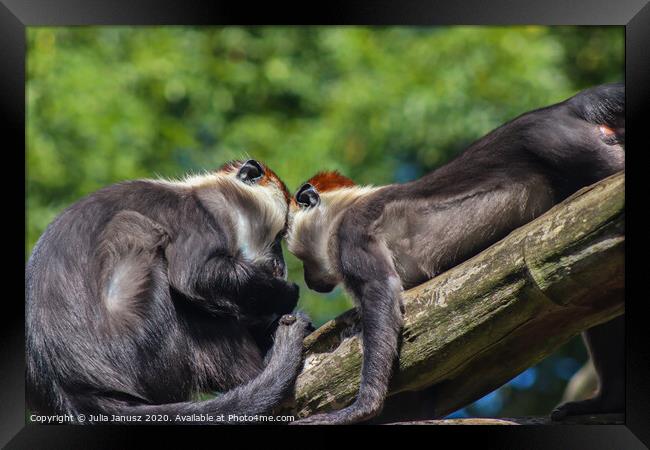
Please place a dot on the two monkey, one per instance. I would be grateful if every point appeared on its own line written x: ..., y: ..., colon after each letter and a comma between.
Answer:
x: 147, y: 292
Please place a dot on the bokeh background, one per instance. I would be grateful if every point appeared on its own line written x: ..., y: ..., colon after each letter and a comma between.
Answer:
x: 380, y: 104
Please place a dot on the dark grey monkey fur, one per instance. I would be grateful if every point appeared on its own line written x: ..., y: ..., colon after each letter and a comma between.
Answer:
x: 380, y: 240
x: 148, y: 292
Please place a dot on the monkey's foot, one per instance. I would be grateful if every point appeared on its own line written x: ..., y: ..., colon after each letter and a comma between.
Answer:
x: 286, y: 355
x: 595, y: 405
x: 346, y: 416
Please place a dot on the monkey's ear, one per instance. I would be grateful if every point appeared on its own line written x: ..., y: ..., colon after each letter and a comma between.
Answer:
x: 251, y: 171
x: 307, y: 196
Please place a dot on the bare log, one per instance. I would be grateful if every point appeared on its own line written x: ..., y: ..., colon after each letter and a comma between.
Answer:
x: 476, y: 326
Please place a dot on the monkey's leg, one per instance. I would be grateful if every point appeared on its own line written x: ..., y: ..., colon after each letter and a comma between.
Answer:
x: 377, y: 287
x: 381, y: 322
x: 606, y: 348
x: 258, y: 396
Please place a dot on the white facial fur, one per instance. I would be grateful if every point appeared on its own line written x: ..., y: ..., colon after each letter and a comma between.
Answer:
x: 311, y: 230
x: 257, y: 211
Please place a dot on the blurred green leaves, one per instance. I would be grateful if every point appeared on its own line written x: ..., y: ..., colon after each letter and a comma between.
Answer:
x: 379, y: 104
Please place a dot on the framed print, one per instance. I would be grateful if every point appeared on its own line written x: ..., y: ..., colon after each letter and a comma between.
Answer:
x: 398, y: 216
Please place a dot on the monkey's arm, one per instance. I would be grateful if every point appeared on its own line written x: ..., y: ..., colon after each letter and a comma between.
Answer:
x: 370, y: 275
x: 206, y: 272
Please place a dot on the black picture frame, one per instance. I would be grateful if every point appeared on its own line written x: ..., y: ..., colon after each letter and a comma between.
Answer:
x: 16, y: 15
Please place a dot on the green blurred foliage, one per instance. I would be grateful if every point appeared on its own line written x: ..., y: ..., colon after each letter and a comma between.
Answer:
x: 381, y: 104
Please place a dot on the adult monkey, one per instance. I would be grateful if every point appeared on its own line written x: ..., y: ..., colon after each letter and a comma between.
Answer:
x: 149, y: 291
x: 380, y: 240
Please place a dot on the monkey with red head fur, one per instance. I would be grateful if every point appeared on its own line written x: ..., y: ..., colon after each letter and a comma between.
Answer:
x: 148, y: 292
x: 380, y: 240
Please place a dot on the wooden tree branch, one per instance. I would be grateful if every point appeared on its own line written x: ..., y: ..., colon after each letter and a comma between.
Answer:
x: 476, y: 326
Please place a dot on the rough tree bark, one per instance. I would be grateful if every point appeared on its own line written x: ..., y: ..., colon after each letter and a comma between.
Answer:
x: 476, y: 326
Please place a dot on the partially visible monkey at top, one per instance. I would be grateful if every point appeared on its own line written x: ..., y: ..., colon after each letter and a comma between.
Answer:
x: 377, y: 241
x: 148, y: 292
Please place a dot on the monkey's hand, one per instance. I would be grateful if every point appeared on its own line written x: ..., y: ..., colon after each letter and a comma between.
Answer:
x: 357, y: 412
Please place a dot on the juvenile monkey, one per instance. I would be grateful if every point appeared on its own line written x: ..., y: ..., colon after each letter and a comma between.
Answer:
x: 147, y: 292
x: 380, y: 240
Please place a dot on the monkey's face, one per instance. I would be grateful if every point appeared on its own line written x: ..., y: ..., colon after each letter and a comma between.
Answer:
x: 314, y: 213
x: 257, y: 202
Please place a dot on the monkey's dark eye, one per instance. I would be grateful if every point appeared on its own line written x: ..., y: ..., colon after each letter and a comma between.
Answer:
x: 307, y: 196
x: 250, y: 172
